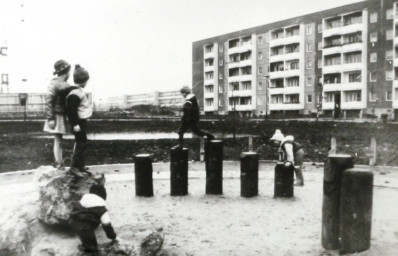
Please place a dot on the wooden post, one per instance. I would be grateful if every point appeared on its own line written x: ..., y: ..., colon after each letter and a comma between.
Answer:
x: 355, y: 211
x: 333, y: 146
x: 334, y: 167
x: 283, y: 181
x: 178, y: 171
x: 214, y: 167
x: 143, y: 175
x: 373, y: 152
x: 248, y: 174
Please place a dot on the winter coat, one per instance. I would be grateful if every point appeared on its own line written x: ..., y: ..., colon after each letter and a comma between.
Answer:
x: 78, y: 106
x: 290, y: 147
x: 190, y: 109
x: 55, y: 98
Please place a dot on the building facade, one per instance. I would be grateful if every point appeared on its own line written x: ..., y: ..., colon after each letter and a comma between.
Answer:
x: 168, y: 99
x: 342, y: 61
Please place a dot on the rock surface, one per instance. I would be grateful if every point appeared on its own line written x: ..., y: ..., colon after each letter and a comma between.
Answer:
x: 57, y: 190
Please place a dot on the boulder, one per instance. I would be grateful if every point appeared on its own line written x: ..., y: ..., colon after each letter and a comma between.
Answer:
x: 57, y: 190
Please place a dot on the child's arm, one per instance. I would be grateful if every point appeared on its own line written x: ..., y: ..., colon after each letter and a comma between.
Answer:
x: 72, y: 104
x: 50, y: 102
x: 289, y: 152
x: 187, y: 111
x: 107, y: 226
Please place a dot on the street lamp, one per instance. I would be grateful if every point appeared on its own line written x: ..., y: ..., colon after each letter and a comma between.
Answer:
x: 267, y: 81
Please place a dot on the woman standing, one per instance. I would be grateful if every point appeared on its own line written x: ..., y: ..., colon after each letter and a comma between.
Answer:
x: 55, y: 108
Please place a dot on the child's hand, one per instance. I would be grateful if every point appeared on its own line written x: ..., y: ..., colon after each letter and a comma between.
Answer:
x: 288, y: 164
x: 51, y: 124
x: 76, y: 128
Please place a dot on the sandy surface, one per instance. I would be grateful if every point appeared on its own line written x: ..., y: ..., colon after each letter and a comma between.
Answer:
x: 228, y: 225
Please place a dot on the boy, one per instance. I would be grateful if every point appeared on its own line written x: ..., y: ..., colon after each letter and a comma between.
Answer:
x: 190, y: 117
x: 79, y: 109
x: 293, y: 153
x: 86, y: 216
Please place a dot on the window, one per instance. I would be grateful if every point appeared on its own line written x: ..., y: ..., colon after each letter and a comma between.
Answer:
x: 260, y: 70
x: 277, y: 83
x: 309, y: 30
x: 245, y: 101
x: 220, y: 48
x: 247, y: 85
x: 246, y: 71
x: 353, y: 38
x: 373, y: 17
x: 233, y: 43
x: 277, y: 34
x: 292, y: 31
x: 353, y: 96
x: 389, y: 34
x: 292, y: 48
x: 209, y: 88
x: 220, y: 103
x: 234, y: 58
x: 292, y: 98
x: 329, y: 97
x: 309, y: 47
x: 234, y: 72
x: 208, y: 48
x: 332, y: 41
x: 260, y: 55
x: 319, y: 63
x: 221, y: 62
x: 220, y: 89
x: 245, y: 56
x: 259, y: 101
x: 220, y: 76
x: 209, y: 102
x: 332, y: 60
x: 320, y: 28
x: 389, y: 14
x: 278, y: 66
x: 389, y: 55
x: 260, y: 86
x: 354, y: 57
x: 319, y: 46
x: 260, y: 40
x: 4, y: 79
x: 388, y: 96
x: 209, y: 62
x: 309, y: 98
x: 332, y: 78
x: 389, y: 75
x: 373, y: 57
x: 373, y: 37
x: 234, y: 86
x: 292, y: 65
x: 372, y: 96
x: 209, y: 75
x: 276, y: 51
x: 373, y: 77
x: 354, y: 77
x: 277, y: 99
x: 333, y: 23
x: 353, y: 19
x: 309, y: 64
x: 292, y: 82
x: 308, y: 81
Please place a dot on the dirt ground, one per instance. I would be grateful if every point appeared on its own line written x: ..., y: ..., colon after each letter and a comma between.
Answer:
x: 228, y: 225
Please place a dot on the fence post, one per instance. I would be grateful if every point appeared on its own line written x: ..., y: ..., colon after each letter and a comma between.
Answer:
x: 283, y: 181
x: 143, y: 175
x: 214, y: 167
x: 178, y: 171
x: 248, y: 174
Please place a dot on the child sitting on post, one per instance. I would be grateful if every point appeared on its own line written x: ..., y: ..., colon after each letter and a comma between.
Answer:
x: 86, y: 216
x: 293, y: 153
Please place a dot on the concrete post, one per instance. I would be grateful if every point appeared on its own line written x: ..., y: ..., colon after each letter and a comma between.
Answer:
x: 355, y: 211
x: 373, y: 152
x: 333, y: 146
x: 283, y: 182
x: 214, y: 167
x: 143, y: 175
x: 248, y: 174
x: 334, y: 167
x: 178, y: 171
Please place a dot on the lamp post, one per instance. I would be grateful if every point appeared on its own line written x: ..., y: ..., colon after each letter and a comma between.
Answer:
x: 267, y: 81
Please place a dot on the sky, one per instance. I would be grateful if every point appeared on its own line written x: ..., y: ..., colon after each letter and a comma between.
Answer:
x: 128, y: 46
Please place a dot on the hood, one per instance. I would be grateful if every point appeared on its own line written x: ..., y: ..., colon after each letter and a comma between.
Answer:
x: 287, y: 138
x: 92, y: 200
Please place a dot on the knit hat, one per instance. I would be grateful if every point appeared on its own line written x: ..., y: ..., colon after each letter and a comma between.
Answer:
x: 277, y: 135
x: 80, y: 75
x: 185, y: 89
x: 98, y: 190
x: 61, y: 67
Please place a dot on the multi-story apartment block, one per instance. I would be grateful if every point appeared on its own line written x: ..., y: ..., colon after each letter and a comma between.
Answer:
x: 342, y: 61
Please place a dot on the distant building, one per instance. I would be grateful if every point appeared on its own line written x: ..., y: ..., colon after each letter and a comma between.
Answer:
x: 342, y: 60
x: 168, y: 99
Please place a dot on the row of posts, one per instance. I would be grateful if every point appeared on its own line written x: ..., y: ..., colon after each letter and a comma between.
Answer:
x: 213, y: 156
x: 347, y: 191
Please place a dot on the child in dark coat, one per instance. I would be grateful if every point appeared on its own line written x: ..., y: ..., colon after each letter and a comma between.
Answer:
x: 190, y: 117
x: 88, y: 214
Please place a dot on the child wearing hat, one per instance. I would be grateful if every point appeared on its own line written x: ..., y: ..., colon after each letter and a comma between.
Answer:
x: 88, y: 214
x: 293, y: 153
x: 55, y: 108
x: 79, y: 109
x: 190, y: 117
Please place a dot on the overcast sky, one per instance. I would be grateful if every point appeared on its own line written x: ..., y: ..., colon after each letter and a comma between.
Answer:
x: 130, y: 46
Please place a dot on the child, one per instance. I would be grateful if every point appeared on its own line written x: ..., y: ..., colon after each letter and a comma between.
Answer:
x: 190, y: 117
x: 86, y: 216
x: 293, y: 153
x: 79, y: 109
x: 55, y: 108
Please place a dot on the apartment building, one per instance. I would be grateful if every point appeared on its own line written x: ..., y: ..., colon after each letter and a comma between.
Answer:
x: 168, y: 98
x: 342, y: 61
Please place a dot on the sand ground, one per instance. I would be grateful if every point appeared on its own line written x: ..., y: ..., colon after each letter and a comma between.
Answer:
x: 228, y: 225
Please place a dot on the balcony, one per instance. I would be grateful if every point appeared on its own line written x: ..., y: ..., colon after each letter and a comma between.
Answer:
x: 235, y: 64
x: 351, y: 28
x: 285, y: 106
x: 327, y: 105
x: 208, y: 55
x: 352, y: 86
x: 285, y: 41
x: 351, y: 66
x: 208, y: 81
x: 245, y: 63
x: 276, y: 90
x: 395, y: 98
x: 277, y: 42
x: 291, y: 72
x: 332, y: 31
x: 331, y: 69
x: 241, y: 108
x: 292, y: 56
x: 209, y: 95
x: 240, y: 78
x: 208, y: 68
x: 277, y: 58
x: 395, y: 83
x: 240, y: 48
x: 276, y: 74
x: 332, y: 50
x: 240, y: 93
x: 210, y: 108
x: 293, y: 90
x: 331, y: 87
x: 353, y: 105
x: 396, y: 62
x: 352, y: 47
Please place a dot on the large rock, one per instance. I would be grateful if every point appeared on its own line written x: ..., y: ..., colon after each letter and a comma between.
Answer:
x: 58, y: 189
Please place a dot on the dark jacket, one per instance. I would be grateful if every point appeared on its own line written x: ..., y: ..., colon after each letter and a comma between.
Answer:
x: 190, y: 109
x: 55, y: 98
x: 91, y: 210
x: 78, y: 106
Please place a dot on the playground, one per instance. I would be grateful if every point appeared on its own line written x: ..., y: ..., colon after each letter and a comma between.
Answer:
x: 228, y: 224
